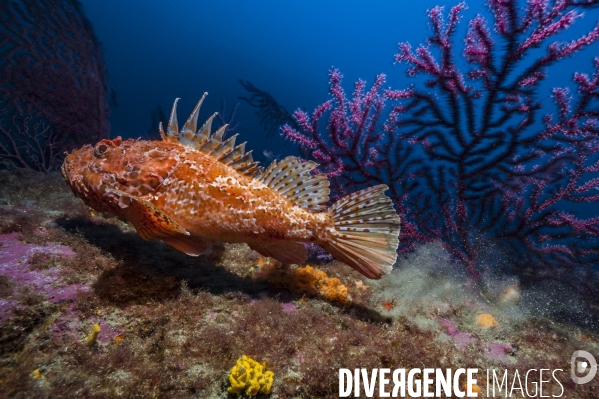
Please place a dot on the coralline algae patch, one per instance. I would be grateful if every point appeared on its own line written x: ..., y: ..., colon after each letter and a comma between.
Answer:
x: 6, y: 306
x: 497, y: 351
x: 461, y: 339
x: 15, y: 257
x: 36, y: 269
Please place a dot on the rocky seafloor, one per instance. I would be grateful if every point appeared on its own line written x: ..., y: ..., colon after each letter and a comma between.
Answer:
x: 172, y: 326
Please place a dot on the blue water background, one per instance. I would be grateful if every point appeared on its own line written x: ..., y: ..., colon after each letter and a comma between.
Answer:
x: 156, y: 51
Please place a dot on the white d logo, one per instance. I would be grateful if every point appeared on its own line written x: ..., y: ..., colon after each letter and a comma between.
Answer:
x: 580, y: 366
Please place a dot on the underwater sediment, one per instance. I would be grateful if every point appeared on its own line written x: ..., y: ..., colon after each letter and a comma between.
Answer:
x: 88, y: 309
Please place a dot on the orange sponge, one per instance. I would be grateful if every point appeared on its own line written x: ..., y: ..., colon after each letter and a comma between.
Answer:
x: 307, y: 281
x: 485, y: 320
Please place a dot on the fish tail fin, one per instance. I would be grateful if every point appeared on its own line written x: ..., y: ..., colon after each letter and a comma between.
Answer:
x: 366, y: 232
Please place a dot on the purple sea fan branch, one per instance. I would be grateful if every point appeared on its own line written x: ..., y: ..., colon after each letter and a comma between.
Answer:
x: 479, y: 48
x: 351, y: 128
x: 354, y: 151
x: 487, y: 151
x: 568, y: 175
x: 543, y: 32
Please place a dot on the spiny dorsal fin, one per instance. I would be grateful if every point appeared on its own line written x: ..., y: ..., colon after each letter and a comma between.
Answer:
x: 292, y: 178
x: 209, y: 143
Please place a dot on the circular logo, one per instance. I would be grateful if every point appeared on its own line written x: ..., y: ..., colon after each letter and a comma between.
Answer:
x: 579, y: 366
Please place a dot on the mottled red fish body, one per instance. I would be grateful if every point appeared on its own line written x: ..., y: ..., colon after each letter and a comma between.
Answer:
x: 193, y: 188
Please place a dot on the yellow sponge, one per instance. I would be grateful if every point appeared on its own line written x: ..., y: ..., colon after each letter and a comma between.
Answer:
x: 91, y: 338
x: 249, y: 375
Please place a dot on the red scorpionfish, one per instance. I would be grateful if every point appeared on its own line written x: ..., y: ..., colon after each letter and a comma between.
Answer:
x: 192, y: 188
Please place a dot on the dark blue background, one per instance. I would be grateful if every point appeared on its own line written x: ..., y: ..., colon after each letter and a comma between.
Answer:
x: 157, y: 50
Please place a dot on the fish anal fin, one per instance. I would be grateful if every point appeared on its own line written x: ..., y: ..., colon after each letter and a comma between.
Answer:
x: 284, y: 252
x: 193, y: 246
x: 150, y: 222
x: 293, y: 179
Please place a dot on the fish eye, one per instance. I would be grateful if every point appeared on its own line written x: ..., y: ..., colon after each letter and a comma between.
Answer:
x: 100, y: 149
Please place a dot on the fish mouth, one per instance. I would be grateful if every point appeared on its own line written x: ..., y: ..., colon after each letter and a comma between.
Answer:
x: 73, y: 170
x: 66, y: 170
x: 67, y: 173
x: 67, y: 167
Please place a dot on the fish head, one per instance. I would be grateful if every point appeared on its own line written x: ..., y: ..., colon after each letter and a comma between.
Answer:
x: 97, y: 174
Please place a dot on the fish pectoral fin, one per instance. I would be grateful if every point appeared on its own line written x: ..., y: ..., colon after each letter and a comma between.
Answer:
x: 150, y: 222
x: 284, y: 252
x: 192, y: 246
x: 153, y: 224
